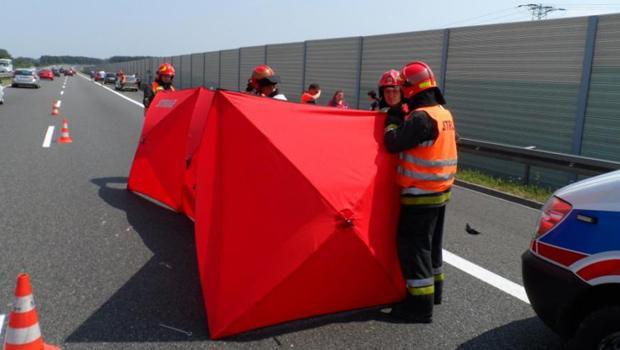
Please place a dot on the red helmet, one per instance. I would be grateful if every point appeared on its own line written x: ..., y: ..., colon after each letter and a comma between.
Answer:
x: 416, y: 77
x: 166, y: 69
x: 389, y: 78
x: 263, y: 72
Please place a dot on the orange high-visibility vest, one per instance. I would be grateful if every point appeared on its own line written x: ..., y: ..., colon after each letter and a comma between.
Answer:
x: 157, y: 88
x: 431, y: 166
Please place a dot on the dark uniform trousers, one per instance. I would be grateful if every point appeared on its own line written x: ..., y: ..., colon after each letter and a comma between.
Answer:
x: 419, y: 241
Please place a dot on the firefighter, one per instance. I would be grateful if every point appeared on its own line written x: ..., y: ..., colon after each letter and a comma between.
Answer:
x: 264, y: 81
x: 122, y: 78
x: 425, y: 139
x: 163, y: 81
x: 389, y: 90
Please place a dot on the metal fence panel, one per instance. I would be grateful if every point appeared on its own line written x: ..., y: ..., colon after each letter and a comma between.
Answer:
x: 384, y: 52
x: 197, y: 69
x: 288, y: 62
x: 334, y: 64
x: 229, y: 70
x: 177, y: 64
x: 186, y: 71
x: 212, y: 69
x: 250, y: 57
x: 517, y: 83
x: 600, y: 139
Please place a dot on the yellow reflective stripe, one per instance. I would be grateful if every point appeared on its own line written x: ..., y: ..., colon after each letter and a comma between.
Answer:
x: 427, y: 200
x: 415, y: 291
x: 391, y: 127
x: 425, y: 84
x: 439, y: 277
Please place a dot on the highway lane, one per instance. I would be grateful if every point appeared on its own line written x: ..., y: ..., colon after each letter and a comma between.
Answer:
x: 108, y: 267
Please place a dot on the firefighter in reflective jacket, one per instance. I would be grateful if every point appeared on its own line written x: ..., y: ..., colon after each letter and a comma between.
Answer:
x: 389, y: 91
x: 425, y: 140
x: 163, y: 81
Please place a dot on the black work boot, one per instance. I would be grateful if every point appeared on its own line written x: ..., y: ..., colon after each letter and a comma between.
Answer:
x: 438, y: 292
x: 415, y: 309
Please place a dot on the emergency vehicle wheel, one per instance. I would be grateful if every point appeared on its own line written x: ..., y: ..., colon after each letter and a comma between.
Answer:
x: 599, y: 330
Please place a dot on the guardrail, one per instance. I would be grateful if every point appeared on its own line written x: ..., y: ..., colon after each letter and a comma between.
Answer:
x: 529, y: 156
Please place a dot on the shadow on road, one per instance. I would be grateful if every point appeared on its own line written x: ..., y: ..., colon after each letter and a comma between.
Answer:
x: 527, y: 334
x: 165, y: 290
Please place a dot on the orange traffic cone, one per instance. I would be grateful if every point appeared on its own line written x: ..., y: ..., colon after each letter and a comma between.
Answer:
x: 64, y: 133
x: 23, y: 332
x: 55, y: 107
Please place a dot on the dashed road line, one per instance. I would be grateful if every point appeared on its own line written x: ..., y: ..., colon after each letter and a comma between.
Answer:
x: 47, y: 140
x: 62, y: 92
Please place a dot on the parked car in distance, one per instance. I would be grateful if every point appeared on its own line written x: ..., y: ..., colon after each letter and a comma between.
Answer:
x: 131, y: 84
x: 46, y: 74
x: 69, y: 72
x: 110, y: 78
x: 25, y: 77
x: 100, y: 76
x: 56, y: 71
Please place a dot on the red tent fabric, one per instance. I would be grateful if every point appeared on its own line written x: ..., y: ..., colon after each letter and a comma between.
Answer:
x: 171, y: 129
x: 296, y: 212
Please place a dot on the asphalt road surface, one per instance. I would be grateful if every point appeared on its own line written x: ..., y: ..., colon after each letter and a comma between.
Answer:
x: 110, y: 268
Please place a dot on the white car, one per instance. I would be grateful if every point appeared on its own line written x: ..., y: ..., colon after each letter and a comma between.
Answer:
x: 1, y: 95
x: 25, y: 77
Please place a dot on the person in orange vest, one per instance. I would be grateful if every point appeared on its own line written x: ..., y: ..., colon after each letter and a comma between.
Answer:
x: 122, y: 78
x: 389, y: 91
x: 312, y: 94
x: 425, y: 140
x: 163, y: 82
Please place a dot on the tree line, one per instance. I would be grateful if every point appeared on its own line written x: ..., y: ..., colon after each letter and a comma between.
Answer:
x: 48, y: 60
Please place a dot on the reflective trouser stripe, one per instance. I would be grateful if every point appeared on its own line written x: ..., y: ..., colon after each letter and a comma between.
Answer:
x: 416, y: 291
x: 420, y: 282
x: 437, y: 270
x: 18, y: 336
x: 439, y: 277
x: 426, y: 200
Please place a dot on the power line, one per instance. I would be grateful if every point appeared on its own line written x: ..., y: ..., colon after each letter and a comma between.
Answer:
x: 540, y: 11
x: 479, y: 17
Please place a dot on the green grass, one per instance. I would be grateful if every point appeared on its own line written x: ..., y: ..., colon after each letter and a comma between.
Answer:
x: 532, y: 192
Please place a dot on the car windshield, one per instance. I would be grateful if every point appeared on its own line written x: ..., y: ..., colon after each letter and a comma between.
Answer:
x: 131, y: 78
x: 110, y: 75
x: 4, y: 64
x: 23, y: 72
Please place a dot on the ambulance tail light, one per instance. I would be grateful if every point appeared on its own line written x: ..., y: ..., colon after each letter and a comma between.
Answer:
x: 554, y: 211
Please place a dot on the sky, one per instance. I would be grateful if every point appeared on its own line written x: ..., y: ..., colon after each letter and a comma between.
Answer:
x: 166, y: 28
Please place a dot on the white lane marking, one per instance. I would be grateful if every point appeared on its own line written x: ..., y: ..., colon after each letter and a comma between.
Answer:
x: 486, y: 276
x: 117, y: 93
x: 62, y: 92
x: 59, y: 103
x: 47, y: 140
x: 2, y: 317
x: 501, y: 199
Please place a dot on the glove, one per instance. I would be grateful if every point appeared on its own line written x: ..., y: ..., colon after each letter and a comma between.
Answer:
x: 395, y: 116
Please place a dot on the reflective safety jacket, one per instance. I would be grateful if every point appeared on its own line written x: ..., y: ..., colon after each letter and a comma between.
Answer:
x: 430, y: 167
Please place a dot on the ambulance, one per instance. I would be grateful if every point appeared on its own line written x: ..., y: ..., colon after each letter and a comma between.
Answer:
x: 571, y: 272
